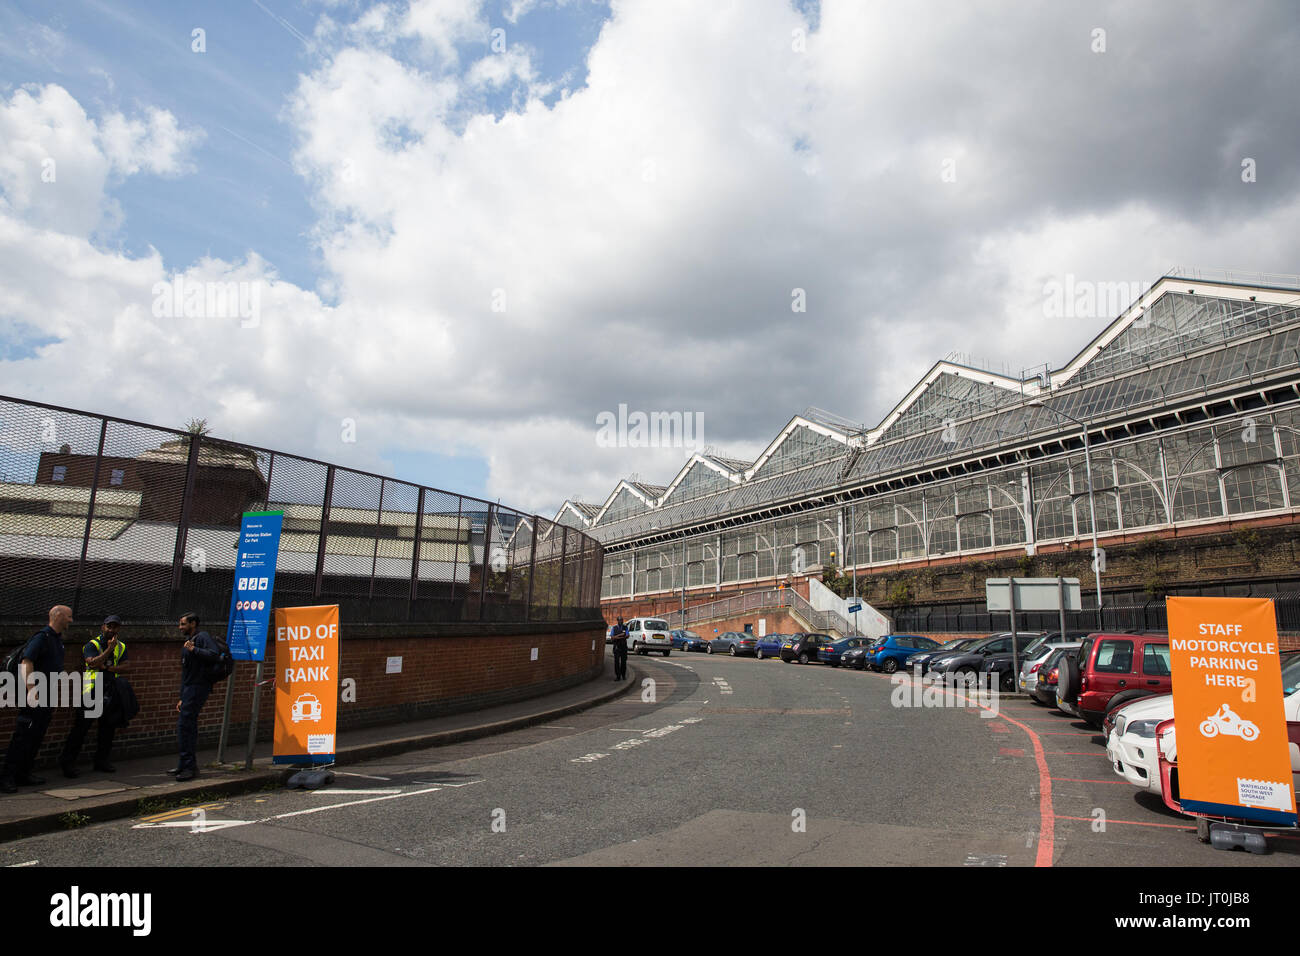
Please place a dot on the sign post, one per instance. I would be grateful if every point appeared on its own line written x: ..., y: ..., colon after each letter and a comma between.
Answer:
x: 250, y: 608
x: 1233, y: 754
x: 1030, y: 594
x: 306, y: 686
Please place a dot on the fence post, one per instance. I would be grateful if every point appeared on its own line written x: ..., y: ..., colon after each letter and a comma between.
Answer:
x: 379, y: 517
x: 564, y: 553
x: 483, y: 567
x: 455, y: 551
x: 324, y: 521
x: 532, y: 566
x: 412, y: 591
x: 90, y: 517
x: 183, y: 522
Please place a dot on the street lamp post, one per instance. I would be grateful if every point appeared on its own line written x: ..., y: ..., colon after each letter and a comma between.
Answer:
x: 1092, y: 504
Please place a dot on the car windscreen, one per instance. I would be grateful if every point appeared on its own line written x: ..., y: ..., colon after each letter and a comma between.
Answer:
x: 656, y: 625
x: 1290, y: 674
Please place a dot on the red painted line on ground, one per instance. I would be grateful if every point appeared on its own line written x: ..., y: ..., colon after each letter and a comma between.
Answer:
x: 1010, y: 752
x: 1046, y: 815
x: 1081, y: 780
x: 998, y: 727
x: 1135, y: 823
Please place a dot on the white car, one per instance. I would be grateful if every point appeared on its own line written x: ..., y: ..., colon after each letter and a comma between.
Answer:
x: 1131, y: 746
x: 649, y: 634
x: 1035, y: 656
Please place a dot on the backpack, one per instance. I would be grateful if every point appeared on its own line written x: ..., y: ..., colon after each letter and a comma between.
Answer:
x: 220, y: 669
x: 14, y: 658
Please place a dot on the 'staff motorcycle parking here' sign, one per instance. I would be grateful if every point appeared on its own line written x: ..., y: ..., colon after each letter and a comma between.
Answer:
x: 1233, y: 758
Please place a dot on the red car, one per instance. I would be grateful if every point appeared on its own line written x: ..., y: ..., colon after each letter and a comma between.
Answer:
x: 1112, y: 669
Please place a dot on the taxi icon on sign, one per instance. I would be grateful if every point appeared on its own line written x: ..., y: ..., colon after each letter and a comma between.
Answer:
x: 306, y: 707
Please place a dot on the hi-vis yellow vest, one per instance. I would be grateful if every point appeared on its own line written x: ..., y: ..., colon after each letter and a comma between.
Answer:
x: 89, y: 674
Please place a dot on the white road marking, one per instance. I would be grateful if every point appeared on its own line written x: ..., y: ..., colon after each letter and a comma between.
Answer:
x: 207, y: 826
x: 723, y: 686
x: 346, y: 790
x: 14, y: 866
x: 367, y: 776
x: 588, y: 758
x: 350, y: 803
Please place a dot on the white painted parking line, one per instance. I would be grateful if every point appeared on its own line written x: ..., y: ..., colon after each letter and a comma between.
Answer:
x: 14, y: 866
x: 349, y: 790
x: 350, y: 803
x: 367, y: 776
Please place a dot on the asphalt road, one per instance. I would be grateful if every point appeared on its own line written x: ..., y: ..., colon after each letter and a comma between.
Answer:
x: 733, y: 761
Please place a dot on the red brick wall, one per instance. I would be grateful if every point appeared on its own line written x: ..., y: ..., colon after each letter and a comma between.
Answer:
x: 440, y: 675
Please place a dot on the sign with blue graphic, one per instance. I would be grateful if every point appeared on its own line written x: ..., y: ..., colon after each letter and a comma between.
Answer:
x: 250, y: 599
x: 855, y: 608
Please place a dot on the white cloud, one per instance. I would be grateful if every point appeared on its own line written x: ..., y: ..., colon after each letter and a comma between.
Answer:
x: 496, y: 283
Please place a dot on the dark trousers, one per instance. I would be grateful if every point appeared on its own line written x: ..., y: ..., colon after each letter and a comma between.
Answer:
x: 193, y: 697
x: 77, y: 736
x: 620, y: 660
x: 29, y: 731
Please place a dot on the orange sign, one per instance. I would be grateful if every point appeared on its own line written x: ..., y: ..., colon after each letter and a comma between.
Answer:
x: 1233, y: 757
x: 307, y: 683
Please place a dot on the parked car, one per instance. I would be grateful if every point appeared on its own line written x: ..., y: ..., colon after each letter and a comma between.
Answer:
x: 856, y: 657
x: 1041, y: 684
x: 734, y: 643
x: 1110, y: 668
x: 895, y: 650
x: 804, y: 647
x: 833, y: 652
x: 1131, y: 743
x: 969, y: 660
x: 1036, y: 655
x: 684, y: 640
x: 922, y: 659
x: 649, y: 634
x: 770, y: 645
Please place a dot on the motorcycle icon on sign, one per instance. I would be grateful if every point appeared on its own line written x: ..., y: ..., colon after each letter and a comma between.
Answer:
x: 1224, y: 721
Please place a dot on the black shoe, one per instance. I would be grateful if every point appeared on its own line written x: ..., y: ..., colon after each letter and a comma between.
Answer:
x: 187, y: 775
x: 8, y: 786
x: 71, y: 772
x: 30, y: 781
x: 174, y: 771
x: 105, y: 767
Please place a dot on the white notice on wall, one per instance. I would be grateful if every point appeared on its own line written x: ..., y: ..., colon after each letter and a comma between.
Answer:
x: 762, y: 627
x: 533, y: 657
x: 394, y: 666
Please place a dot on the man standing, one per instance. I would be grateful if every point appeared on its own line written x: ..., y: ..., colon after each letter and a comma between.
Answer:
x: 200, y: 651
x: 105, y: 654
x: 620, y: 649
x: 43, y: 654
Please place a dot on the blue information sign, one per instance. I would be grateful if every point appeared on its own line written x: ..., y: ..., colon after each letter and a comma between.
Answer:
x: 250, y: 599
x: 855, y: 608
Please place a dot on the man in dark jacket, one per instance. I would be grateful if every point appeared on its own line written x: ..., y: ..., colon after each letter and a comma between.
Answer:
x: 43, y: 654
x: 105, y: 658
x: 199, y: 652
x: 620, y: 649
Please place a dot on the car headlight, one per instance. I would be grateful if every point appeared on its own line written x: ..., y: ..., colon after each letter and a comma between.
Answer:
x: 1141, y: 728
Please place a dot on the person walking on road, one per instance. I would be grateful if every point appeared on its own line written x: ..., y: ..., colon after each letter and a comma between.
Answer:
x: 620, y: 650
x: 42, y: 654
x: 105, y: 657
x: 199, y: 652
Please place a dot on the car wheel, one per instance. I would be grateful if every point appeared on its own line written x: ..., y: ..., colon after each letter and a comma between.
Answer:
x: 667, y: 652
x: 803, y: 658
x: 733, y: 650
x: 710, y: 649
x: 759, y: 653
x: 889, y: 666
x: 1006, y: 682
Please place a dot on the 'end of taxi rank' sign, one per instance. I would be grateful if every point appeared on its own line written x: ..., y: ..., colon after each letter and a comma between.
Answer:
x: 1233, y: 755
x: 306, y: 684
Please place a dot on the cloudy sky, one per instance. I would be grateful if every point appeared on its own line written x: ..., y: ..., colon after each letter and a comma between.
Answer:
x: 472, y: 227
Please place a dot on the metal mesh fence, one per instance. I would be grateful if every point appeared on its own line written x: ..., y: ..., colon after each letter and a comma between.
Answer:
x: 110, y: 516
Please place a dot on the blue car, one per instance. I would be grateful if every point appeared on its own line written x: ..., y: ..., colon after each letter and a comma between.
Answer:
x: 688, y: 641
x: 831, y: 653
x: 894, y: 651
x: 769, y: 645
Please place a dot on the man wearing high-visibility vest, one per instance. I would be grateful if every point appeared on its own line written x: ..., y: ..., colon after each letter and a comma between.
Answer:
x: 105, y: 657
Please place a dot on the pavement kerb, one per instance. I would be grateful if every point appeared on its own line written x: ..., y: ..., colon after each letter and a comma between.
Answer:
x: 117, y: 806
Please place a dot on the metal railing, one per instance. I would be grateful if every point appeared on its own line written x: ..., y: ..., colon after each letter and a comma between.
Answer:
x: 764, y: 600
x: 112, y: 516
